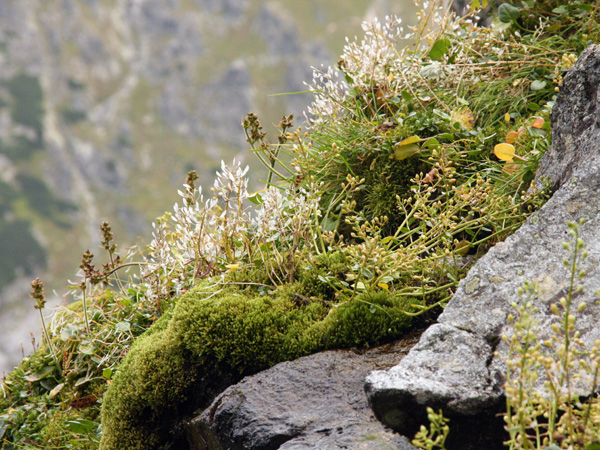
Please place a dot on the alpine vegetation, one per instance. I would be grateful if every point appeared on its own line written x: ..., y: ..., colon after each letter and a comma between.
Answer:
x: 417, y: 156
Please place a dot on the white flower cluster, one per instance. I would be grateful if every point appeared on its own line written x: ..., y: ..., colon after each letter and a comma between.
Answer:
x: 363, y: 64
x: 202, y: 238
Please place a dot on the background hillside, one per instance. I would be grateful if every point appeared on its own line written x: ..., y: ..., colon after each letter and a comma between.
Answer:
x: 105, y: 105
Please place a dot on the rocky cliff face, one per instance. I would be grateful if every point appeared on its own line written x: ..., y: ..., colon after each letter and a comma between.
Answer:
x: 459, y: 364
x: 105, y: 105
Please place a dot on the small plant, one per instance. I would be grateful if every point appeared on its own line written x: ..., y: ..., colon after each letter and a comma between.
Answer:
x: 37, y: 293
x: 435, y: 436
x: 543, y: 411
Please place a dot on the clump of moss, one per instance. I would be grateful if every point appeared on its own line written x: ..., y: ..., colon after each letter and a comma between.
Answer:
x: 369, y: 319
x: 171, y: 372
x: 149, y: 389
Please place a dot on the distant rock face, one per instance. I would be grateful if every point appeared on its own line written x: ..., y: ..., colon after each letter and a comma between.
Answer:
x: 315, y: 402
x: 453, y: 366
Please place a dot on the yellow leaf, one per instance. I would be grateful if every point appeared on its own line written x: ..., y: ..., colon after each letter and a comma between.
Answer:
x: 538, y: 123
x: 506, y: 152
x: 464, y: 116
x: 383, y: 286
x: 511, y: 137
x: 408, y: 141
x: 507, y: 117
x: 462, y: 248
x: 232, y: 267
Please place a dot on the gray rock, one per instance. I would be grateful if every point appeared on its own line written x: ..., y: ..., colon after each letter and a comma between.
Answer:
x: 315, y: 402
x: 453, y: 366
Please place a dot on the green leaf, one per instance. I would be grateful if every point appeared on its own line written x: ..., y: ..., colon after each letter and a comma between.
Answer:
x: 3, y: 427
x: 42, y: 373
x: 256, y: 198
x: 69, y: 330
x: 533, y: 106
x: 406, y: 95
x: 508, y: 13
x: 439, y: 49
x: 56, y: 390
x: 87, y: 348
x: 409, y: 140
x: 431, y: 143
x: 82, y: 380
x: 107, y: 373
x: 355, y: 91
x: 81, y: 426
x: 538, y: 85
x: 406, y: 151
x: 122, y: 327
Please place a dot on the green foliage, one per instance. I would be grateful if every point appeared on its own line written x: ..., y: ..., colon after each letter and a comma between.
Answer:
x: 435, y: 436
x: 42, y: 201
x: 147, y: 390
x: 20, y: 148
x: 58, y: 405
x: 27, y: 108
x: 71, y: 115
x: 20, y: 250
x: 244, y: 333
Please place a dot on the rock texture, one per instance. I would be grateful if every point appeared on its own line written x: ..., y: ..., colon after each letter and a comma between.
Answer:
x: 453, y: 366
x: 315, y: 402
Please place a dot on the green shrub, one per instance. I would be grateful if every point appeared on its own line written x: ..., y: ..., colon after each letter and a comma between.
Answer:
x: 28, y: 102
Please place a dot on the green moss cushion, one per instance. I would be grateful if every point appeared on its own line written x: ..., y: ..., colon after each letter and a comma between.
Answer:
x: 224, y: 336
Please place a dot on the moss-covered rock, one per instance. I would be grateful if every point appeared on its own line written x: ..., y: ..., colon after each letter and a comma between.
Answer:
x: 213, y: 340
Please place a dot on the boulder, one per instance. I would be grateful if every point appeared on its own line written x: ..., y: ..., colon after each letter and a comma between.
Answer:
x: 314, y: 402
x: 454, y: 366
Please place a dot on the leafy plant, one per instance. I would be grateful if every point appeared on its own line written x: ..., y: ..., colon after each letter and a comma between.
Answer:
x: 543, y: 411
x: 435, y: 436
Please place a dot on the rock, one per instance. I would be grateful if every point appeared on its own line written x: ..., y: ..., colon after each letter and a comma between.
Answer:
x: 314, y: 402
x: 453, y: 366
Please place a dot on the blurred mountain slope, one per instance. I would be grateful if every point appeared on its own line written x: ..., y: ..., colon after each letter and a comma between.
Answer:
x: 105, y: 105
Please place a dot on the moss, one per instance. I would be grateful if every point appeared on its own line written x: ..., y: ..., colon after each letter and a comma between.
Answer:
x: 172, y: 369
x: 245, y: 334
x: 368, y: 319
x: 326, y: 265
x: 146, y: 391
x: 62, y: 425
